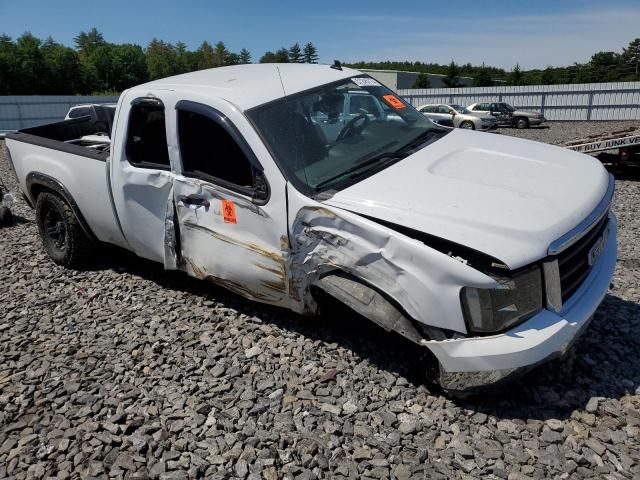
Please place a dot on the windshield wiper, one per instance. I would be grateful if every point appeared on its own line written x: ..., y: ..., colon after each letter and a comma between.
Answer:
x: 360, y: 165
x: 419, y: 140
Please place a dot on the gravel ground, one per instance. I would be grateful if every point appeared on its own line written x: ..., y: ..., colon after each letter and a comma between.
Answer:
x: 125, y: 371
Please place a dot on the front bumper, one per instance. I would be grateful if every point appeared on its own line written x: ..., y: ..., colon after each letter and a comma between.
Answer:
x: 537, y: 120
x: 468, y: 363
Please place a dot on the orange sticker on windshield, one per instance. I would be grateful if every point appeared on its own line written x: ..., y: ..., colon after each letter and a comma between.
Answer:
x: 228, y: 211
x: 394, y: 101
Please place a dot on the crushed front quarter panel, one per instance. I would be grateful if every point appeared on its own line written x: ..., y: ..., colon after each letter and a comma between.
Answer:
x: 423, y: 281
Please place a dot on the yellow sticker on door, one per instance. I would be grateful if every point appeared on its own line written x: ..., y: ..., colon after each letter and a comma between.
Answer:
x: 228, y: 211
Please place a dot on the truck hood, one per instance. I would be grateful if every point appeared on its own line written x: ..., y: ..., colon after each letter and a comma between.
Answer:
x: 506, y: 197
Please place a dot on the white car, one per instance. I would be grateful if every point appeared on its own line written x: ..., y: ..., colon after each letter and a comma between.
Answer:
x: 492, y: 253
x: 459, y: 116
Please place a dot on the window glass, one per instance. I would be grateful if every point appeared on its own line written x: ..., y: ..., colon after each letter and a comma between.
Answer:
x: 79, y: 112
x: 208, y: 151
x: 363, y: 104
x: 317, y: 156
x: 443, y: 109
x: 147, y: 137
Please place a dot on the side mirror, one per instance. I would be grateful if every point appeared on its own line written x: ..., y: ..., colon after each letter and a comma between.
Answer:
x: 261, y: 191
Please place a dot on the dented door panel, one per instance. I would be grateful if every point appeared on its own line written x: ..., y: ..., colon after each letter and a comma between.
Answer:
x: 242, y: 250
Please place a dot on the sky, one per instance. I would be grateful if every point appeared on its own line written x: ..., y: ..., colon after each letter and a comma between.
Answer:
x: 500, y: 33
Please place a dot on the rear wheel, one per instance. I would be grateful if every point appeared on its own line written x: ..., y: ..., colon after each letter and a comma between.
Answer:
x: 61, y: 234
x: 521, y: 123
x: 467, y: 125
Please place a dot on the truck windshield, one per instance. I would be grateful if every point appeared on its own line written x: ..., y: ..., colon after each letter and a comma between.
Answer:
x: 335, y: 135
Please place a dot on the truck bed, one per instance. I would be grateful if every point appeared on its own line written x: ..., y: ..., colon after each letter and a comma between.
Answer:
x: 53, y: 156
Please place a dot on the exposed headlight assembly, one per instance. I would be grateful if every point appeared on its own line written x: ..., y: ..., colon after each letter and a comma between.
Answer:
x: 496, y: 309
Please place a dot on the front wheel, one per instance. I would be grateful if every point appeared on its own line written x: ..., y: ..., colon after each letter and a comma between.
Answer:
x: 522, y: 123
x: 467, y: 125
x: 61, y: 234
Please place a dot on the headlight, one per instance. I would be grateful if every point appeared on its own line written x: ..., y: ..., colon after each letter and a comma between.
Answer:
x: 496, y: 309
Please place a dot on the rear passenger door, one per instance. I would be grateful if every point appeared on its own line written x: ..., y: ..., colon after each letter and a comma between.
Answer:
x: 141, y: 178
x: 232, y: 229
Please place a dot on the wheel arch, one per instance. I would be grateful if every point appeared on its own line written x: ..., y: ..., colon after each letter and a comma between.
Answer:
x: 38, y: 183
x: 373, y: 304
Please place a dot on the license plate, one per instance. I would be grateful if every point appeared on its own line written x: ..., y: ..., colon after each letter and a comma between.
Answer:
x: 596, y: 250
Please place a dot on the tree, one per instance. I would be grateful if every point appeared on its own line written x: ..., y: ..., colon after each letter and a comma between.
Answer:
x: 483, y: 77
x: 86, y: 42
x: 205, y: 56
x: 281, y: 56
x: 548, y: 76
x: 220, y: 55
x: 515, y: 78
x: 185, y: 60
x: 422, y: 81
x: 268, y: 57
x: 64, y: 76
x: 30, y: 63
x: 245, y: 56
x: 128, y: 67
x: 310, y: 53
x: 631, y: 58
x: 452, y: 78
x: 9, y: 70
x: 295, y: 53
x: 605, y: 67
x: 161, y: 60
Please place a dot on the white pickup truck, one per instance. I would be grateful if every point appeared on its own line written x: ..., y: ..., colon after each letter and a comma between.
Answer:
x: 491, y: 252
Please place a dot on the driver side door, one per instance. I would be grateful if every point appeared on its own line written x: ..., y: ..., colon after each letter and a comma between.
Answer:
x: 233, y: 232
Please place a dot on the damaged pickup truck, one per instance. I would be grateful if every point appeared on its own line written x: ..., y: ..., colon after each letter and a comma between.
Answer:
x: 493, y: 253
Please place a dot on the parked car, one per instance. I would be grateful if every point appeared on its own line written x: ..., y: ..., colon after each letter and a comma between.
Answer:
x: 459, y: 116
x: 506, y: 115
x: 492, y: 253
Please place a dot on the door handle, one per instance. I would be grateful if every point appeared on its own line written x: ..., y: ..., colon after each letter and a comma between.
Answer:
x: 194, y: 200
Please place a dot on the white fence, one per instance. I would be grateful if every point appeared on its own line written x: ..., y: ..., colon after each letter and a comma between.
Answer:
x: 588, y: 101
x: 22, y: 111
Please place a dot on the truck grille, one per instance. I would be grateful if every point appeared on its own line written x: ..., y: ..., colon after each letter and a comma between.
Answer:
x: 573, y: 263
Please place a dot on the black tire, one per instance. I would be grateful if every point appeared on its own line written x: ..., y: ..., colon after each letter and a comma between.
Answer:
x: 522, y: 122
x: 468, y: 125
x: 62, y: 236
x: 6, y: 217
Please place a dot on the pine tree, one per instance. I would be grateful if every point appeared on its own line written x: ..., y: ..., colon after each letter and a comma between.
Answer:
x: 452, y: 78
x: 483, y: 77
x: 295, y: 53
x: 245, y: 56
x: 86, y: 42
x: 422, y: 81
x: 310, y: 53
x: 516, y: 75
x: 220, y: 55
